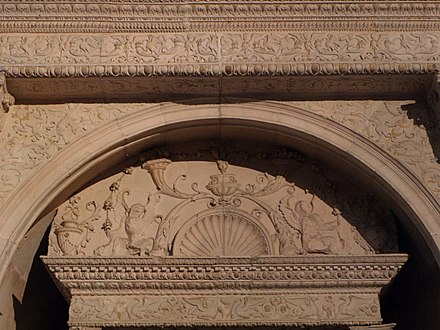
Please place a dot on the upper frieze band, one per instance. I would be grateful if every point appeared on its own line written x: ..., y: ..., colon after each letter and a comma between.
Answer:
x: 214, y: 15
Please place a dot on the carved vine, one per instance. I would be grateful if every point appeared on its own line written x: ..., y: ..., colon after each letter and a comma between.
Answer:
x: 407, y: 131
x: 34, y: 134
x: 212, y: 54
x: 299, y: 228
x: 292, y: 309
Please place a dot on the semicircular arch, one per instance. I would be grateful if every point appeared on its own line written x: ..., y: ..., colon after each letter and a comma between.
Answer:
x: 115, y: 141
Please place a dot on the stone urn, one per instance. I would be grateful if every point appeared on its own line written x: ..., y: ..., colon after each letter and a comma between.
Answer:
x: 223, y: 185
x: 69, y: 237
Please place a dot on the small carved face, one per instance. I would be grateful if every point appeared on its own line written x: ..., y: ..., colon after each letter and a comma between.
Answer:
x: 136, y: 211
x: 303, y: 209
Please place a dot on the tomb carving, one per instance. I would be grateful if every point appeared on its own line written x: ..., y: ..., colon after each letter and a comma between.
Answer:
x: 231, y: 212
x: 194, y: 239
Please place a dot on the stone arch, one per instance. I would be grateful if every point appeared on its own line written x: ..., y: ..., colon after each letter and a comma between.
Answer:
x: 119, y: 139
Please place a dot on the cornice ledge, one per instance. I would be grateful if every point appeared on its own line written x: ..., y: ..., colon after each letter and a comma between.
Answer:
x: 199, y: 290
x: 263, y: 261
x: 182, y: 16
x: 323, y: 68
x: 138, y: 274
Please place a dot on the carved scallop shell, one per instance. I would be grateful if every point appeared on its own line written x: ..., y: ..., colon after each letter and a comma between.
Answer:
x: 222, y: 235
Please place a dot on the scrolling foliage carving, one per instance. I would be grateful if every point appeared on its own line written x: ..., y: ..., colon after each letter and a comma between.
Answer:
x: 211, y: 208
x: 406, y: 130
x: 34, y: 134
x: 219, y: 53
x: 305, y: 309
x: 194, y: 236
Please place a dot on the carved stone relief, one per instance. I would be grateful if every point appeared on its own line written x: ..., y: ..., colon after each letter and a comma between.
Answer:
x: 167, y: 208
x: 195, y: 239
x: 163, y: 206
x: 215, y: 54
x: 6, y: 99
x: 406, y: 130
x: 34, y: 134
x: 245, y: 291
x: 228, y: 309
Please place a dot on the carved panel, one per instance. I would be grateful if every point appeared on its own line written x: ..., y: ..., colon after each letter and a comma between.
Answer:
x: 226, y: 310
x: 191, y: 240
x: 219, y: 53
x: 236, y: 211
x: 406, y: 130
x: 34, y: 134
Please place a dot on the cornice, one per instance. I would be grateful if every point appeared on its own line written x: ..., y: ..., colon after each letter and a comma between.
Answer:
x: 213, y: 15
x: 154, y: 274
x: 224, y: 291
x: 219, y: 262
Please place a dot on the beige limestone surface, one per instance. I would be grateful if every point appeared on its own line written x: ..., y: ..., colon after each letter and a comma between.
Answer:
x: 87, y: 86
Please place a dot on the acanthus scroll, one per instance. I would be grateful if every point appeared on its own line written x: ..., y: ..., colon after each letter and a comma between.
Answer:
x: 144, y: 215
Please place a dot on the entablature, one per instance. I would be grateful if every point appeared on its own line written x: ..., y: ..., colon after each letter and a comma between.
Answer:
x: 292, y: 291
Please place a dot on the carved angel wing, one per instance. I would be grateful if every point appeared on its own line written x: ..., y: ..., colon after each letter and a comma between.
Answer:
x: 272, y: 185
x: 289, y: 215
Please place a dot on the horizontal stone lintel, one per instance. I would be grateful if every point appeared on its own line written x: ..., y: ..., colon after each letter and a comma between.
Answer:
x: 361, y: 61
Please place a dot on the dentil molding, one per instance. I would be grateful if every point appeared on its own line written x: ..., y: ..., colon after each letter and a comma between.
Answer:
x: 307, y: 290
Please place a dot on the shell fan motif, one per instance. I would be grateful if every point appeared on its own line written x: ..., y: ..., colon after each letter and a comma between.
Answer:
x: 222, y: 235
